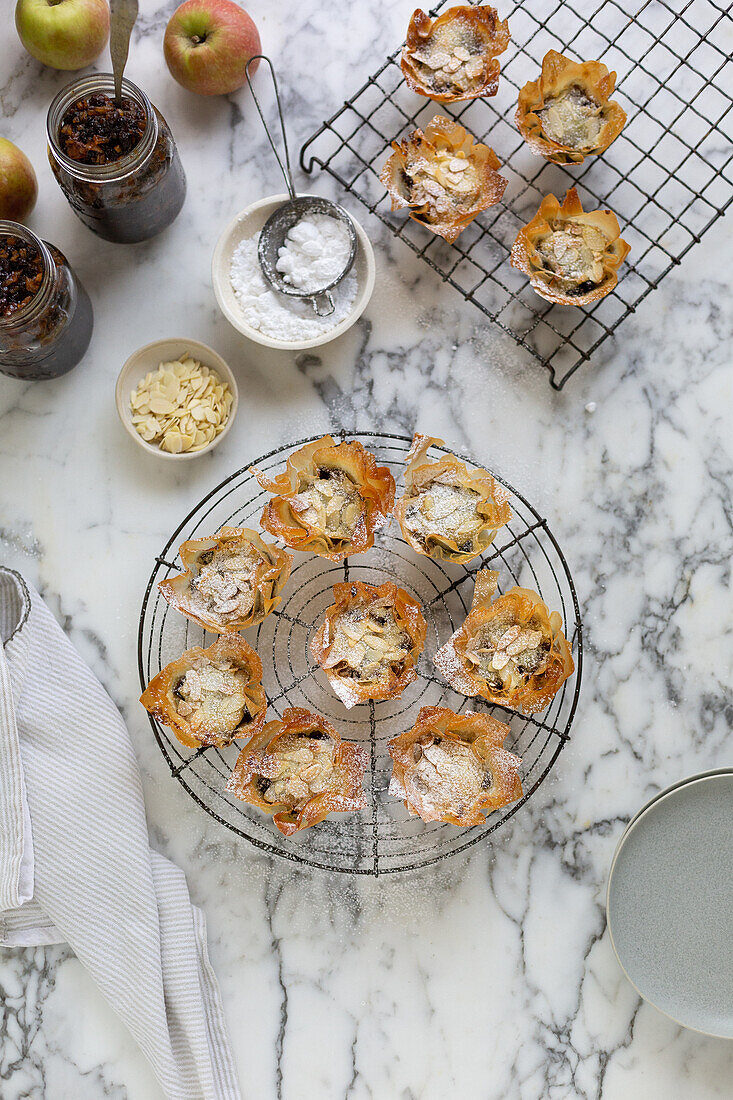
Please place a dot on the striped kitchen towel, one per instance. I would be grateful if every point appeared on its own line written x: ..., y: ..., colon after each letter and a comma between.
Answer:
x: 75, y: 862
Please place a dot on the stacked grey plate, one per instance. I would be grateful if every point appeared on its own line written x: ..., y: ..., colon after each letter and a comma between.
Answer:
x: 670, y: 902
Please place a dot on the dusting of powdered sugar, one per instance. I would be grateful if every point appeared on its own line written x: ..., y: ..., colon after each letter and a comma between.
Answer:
x: 315, y: 252
x: 276, y: 315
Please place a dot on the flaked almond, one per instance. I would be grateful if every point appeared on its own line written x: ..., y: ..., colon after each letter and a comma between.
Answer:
x: 181, y: 407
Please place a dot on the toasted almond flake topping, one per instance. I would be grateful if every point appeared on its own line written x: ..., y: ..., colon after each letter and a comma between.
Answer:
x: 509, y: 651
x: 572, y: 119
x: 451, y: 60
x: 448, y: 776
x: 331, y: 503
x: 299, y: 768
x: 443, y: 509
x: 212, y: 693
x: 224, y: 587
x: 574, y: 252
x: 368, y: 641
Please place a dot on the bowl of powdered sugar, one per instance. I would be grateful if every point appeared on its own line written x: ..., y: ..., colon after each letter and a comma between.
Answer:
x: 313, y: 248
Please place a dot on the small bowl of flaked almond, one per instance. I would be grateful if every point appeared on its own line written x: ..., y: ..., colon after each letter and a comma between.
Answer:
x: 176, y: 398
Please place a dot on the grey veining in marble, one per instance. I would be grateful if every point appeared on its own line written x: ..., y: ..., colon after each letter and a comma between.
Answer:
x: 489, y: 977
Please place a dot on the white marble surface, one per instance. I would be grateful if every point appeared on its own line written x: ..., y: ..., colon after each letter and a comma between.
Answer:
x: 489, y: 976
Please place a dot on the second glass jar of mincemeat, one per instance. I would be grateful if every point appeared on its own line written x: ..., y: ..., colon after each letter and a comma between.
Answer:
x: 45, y: 312
x: 117, y: 163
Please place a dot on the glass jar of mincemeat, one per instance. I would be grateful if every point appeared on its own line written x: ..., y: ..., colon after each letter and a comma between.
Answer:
x: 117, y: 163
x: 45, y: 313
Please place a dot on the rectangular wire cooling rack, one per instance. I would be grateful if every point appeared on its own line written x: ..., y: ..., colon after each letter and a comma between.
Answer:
x: 668, y: 176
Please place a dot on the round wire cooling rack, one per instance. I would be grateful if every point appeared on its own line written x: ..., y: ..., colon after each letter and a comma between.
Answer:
x: 383, y: 838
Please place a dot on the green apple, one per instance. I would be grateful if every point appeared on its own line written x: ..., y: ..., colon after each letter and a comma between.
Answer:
x: 18, y: 186
x: 64, y: 34
x: 207, y: 45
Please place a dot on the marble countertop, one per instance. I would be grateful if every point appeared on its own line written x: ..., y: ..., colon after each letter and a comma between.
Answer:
x: 490, y: 975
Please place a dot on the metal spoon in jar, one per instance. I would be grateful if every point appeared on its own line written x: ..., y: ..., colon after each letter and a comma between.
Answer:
x: 123, y: 14
x: 279, y: 224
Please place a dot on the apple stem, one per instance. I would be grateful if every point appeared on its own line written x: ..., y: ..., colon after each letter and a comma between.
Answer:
x: 197, y: 39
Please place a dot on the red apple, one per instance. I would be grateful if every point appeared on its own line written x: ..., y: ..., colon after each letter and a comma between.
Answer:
x: 65, y: 34
x: 207, y: 46
x: 18, y: 187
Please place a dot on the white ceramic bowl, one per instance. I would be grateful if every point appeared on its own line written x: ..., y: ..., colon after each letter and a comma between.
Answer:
x: 245, y: 225
x: 149, y: 357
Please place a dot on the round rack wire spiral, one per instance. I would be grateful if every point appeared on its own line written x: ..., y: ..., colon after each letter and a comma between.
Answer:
x: 383, y: 838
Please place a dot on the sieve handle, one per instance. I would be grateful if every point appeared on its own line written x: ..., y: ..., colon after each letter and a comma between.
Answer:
x: 284, y: 168
x: 323, y: 303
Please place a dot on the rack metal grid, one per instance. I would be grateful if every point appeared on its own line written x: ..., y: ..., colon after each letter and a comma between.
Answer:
x: 668, y: 176
x: 383, y: 838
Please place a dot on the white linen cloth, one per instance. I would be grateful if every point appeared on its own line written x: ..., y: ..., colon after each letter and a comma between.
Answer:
x: 75, y: 861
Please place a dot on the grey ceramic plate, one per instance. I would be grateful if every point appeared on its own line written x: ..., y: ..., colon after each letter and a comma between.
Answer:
x: 670, y: 903
x: 668, y: 790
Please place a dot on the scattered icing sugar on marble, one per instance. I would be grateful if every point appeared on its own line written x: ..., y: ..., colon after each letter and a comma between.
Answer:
x: 274, y: 314
x: 315, y: 252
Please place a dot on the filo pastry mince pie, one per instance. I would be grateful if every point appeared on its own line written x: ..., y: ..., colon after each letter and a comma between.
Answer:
x: 369, y: 641
x: 572, y: 257
x: 299, y: 770
x: 443, y: 177
x: 510, y: 650
x: 448, y: 512
x: 567, y: 114
x: 454, y: 57
x: 330, y: 499
x: 232, y: 580
x: 452, y: 767
x: 210, y: 696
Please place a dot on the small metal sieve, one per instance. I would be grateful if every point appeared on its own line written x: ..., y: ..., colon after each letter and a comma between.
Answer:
x: 279, y: 224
